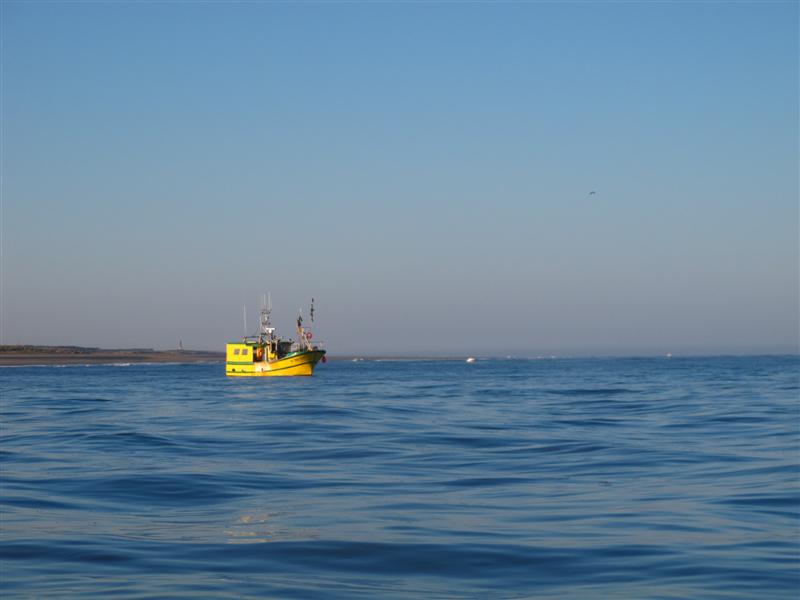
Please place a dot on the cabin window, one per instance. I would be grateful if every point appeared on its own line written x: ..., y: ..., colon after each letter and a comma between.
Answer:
x: 244, y: 350
x: 236, y: 351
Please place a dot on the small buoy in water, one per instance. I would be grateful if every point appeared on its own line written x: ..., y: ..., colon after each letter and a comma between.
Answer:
x: 471, y: 359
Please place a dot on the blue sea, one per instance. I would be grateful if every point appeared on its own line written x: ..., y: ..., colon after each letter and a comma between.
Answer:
x: 566, y: 478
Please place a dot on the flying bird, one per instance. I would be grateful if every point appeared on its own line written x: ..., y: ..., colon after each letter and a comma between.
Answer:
x: 592, y: 193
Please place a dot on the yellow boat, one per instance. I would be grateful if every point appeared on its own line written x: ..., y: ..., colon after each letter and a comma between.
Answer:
x: 266, y: 355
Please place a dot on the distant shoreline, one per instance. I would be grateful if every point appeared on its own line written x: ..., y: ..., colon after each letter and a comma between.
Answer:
x: 52, y: 355
x: 103, y: 357
x: 30, y: 355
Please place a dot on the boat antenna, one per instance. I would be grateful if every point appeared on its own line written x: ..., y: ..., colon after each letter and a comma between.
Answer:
x: 312, y: 310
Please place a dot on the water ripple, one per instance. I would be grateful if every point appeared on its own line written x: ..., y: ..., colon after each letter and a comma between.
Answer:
x: 624, y: 478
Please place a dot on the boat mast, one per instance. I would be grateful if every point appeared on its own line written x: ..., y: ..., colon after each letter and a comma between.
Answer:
x: 301, y: 331
x: 267, y: 330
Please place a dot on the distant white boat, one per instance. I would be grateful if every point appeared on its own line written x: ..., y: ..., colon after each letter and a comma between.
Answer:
x: 471, y: 359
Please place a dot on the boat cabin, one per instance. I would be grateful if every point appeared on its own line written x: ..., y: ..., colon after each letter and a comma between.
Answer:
x: 243, y: 353
x: 250, y: 352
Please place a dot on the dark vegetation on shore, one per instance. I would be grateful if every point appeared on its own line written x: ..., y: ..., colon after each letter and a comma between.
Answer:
x: 29, y: 349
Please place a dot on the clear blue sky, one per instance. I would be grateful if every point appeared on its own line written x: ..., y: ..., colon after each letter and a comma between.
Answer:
x: 423, y: 170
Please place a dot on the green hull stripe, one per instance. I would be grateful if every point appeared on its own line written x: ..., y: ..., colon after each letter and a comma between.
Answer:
x: 291, y: 366
x: 284, y: 368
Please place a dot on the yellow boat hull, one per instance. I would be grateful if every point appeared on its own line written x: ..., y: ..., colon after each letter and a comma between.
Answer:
x: 300, y: 364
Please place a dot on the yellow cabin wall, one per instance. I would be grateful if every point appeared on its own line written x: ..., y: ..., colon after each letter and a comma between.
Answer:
x: 239, y: 357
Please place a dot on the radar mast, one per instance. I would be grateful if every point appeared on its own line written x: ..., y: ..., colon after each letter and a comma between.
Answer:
x: 267, y: 331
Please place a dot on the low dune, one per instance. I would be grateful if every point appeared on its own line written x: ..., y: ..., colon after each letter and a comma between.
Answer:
x: 50, y: 355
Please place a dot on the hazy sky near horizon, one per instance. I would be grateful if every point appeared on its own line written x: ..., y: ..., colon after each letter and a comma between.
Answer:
x: 422, y: 170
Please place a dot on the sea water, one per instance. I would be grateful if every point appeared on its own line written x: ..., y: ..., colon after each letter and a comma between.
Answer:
x: 568, y: 478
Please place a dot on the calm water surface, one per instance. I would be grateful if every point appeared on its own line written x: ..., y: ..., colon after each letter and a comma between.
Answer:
x: 617, y: 478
